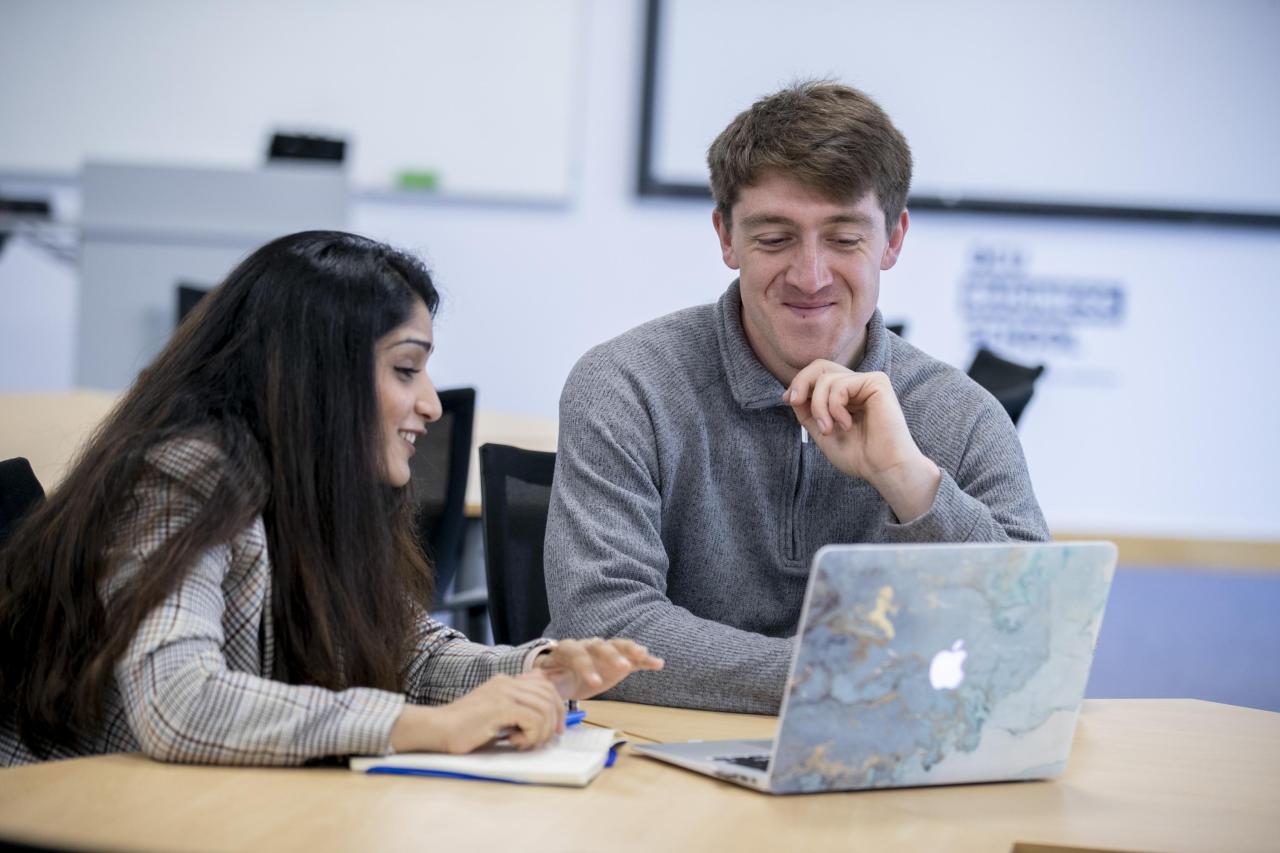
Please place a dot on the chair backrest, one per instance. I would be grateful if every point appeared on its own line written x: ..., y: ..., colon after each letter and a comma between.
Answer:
x: 20, y: 492
x: 515, y: 487
x: 1009, y: 382
x: 189, y: 295
x: 439, y: 468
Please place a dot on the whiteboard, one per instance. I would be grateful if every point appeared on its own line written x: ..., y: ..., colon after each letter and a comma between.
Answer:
x: 480, y: 92
x: 1140, y: 105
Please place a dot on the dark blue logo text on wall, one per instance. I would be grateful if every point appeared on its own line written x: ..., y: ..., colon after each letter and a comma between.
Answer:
x: 1006, y: 307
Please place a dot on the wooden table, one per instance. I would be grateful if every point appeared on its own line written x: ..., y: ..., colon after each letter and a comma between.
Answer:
x: 50, y: 429
x: 1166, y: 775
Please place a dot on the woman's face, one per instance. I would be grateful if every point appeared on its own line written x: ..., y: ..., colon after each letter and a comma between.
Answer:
x: 407, y: 400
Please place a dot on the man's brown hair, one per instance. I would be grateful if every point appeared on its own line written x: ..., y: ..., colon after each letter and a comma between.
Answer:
x: 830, y: 137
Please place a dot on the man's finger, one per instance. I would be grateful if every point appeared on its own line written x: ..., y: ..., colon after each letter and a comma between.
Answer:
x: 821, y: 401
x: 801, y: 386
x: 839, y: 404
x: 797, y: 392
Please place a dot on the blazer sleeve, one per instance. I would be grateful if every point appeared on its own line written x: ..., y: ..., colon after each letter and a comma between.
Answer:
x: 182, y: 700
x: 446, y: 665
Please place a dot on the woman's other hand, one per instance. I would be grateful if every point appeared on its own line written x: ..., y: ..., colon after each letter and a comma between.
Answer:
x: 525, y: 709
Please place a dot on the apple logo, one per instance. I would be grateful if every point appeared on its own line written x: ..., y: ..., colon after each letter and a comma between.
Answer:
x: 947, y: 670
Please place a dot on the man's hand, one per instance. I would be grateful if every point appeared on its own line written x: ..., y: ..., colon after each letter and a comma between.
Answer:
x: 856, y: 421
x: 582, y: 668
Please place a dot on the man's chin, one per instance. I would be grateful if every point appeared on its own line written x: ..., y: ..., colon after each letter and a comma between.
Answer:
x: 799, y: 360
x: 802, y: 357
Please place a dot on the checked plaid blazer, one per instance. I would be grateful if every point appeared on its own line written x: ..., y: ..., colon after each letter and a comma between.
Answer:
x: 195, y: 685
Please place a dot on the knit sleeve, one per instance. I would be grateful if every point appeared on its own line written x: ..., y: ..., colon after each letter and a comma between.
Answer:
x: 986, y: 493
x: 606, y: 565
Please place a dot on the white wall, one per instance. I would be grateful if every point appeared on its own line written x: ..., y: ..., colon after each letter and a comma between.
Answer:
x: 208, y: 81
x: 529, y: 289
x: 39, y: 301
x: 1161, y: 425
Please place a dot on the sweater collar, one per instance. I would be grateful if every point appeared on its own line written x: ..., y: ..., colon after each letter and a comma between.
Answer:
x: 751, y: 383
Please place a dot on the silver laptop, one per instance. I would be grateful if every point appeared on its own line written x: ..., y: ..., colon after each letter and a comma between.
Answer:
x: 927, y: 665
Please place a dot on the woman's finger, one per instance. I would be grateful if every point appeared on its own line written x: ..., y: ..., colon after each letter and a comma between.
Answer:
x: 536, y: 693
x: 637, y: 654
x: 610, y: 662
x: 576, y: 656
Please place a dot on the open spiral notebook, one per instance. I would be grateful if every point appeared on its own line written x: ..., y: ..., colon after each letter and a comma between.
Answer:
x: 573, y: 759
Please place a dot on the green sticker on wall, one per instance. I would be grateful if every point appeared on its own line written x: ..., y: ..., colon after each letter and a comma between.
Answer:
x: 419, y: 179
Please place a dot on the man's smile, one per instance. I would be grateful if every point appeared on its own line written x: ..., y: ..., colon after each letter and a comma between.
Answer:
x: 808, y: 310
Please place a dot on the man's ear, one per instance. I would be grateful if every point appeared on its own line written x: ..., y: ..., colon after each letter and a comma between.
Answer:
x: 894, y: 247
x: 726, y: 241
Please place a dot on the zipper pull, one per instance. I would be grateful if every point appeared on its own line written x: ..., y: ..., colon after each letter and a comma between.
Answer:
x: 804, y: 435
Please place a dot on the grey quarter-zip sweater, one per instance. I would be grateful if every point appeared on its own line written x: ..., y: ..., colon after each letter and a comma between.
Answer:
x: 687, y: 504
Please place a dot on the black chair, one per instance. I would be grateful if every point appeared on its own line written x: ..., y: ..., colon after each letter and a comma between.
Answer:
x: 439, y: 469
x: 899, y: 329
x: 1009, y: 382
x: 515, y: 487
x: 189, y: 295
x: 20, y: 492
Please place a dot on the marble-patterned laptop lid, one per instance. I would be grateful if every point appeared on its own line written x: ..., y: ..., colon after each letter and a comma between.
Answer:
x: 937, y: 664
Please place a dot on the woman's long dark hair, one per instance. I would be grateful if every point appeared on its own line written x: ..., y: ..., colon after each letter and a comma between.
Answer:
x: 276, y: 368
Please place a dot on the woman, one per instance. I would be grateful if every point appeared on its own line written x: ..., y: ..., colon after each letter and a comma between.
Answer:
x: 230, y: 572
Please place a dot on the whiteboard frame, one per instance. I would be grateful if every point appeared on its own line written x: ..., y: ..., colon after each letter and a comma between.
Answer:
x: 649, y: 184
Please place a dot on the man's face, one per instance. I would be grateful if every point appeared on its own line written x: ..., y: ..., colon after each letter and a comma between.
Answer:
x: 809, y: 271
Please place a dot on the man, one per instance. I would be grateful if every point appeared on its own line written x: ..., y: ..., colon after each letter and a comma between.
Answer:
x: 705, y: 456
